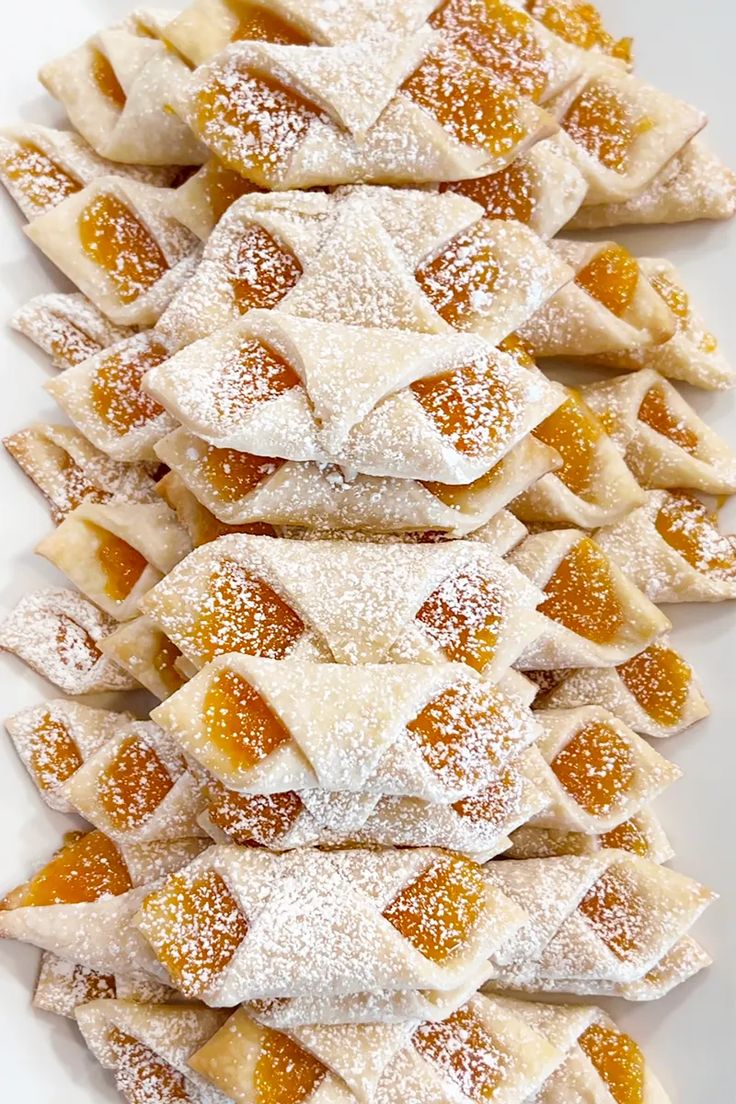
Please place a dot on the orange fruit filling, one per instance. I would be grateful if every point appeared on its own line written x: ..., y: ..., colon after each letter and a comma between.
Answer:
x: 238, y: 722
x: 460, y: 281
x: 262, y: 270
x: 114, y: 238
x: 618, y: 913
x: 470, y: 405
x: 574, y: 431
x: 106, y: 81
x: 463, y: 616
x: 581, y: 595
x: 691, y: 530
x: 284, y: 1073
x: 660, y: 681
x: 596, y: 767
x: 141, y: 1076
x: 581, y: 25
x: 235, y: 474
x: 222, y: 186
x: 655, y: 413
x: 466, y: 1052
x: 85, y: 869
x: 261, y: 818
x: 116, y: 392
x: 508, y: 194
x: 259, y: 24
x: 618, y: 1061
x: 439, y: 909
x: 121, y: 564
x: 604, y: 125
x: 54, y: 753
x: 628, y: 836
x: 133, y: 785
x: 43, y: 182
x: 612, y: 278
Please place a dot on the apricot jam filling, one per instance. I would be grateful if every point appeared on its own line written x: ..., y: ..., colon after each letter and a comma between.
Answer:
x: 261, y: 818
x: 499, y: 38
x: 466, y: 1052
x: 121, y: 564
x: 259, y: 24
x: 629, y: 836
x: 116, y: 389
x: 618, y: 913
x: 284, y: 1073
x: 510, y: 194
x: 251, y: 374
x: 618, y: 1061
x: 242, y: 613
x: 581, y: 25
x: 460, y: 282
x: 605, y: 125
x: 678, y: 301
x: 612, y: 278
x: 660, y: 681
x: 255, y: 123
x: 464, y: 616
x: 439, y: 909
x: 522, y: 352
x: 261, y: 270
x: 574, y: 431
x: 106, y: 81
x: 195, y: 927
x: 141, y: 1076
x: 222, y: 187
x: 163, y: 662
x: 655, y: 413
x: 581, y: 595
x: 470, y: 405
x: 690, y: 529
x: 112, y: 236
x: 133, y: 785
x: 497, y: 802
x: 238, y: 722
x: 85, y: 869
x: 232, y: 474
x: 596, y: 768
x: 54, y: 753
x: 43, y: 182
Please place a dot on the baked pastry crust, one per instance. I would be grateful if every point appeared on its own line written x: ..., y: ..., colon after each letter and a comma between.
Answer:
x: 641, y: 834
x: 67, y: 327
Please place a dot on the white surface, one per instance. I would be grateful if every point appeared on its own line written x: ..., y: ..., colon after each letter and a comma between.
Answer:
x: 683, y: 46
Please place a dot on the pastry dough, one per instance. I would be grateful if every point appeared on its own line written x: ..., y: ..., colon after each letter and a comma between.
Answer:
x: 115, y: 552
x: 116, y: 89
x: 40, y: 167
x: 57, y: 633
x: 384, y: 403
x: 139, y: 647
x: 692, y: 354
x: 694, y: 185
x: 594, y: 615
x: 671, y: 547
x: 117, y: 242
x: 264, y: 726
x: 663, y: 440
x: 67, y: 327
x: 611, y: 305
x: 594, y: 486
x: 62, y: 987
x: 384, y: 257
x: 597, y: 923
x: 201, y: 525
x: 655, y: 693
x: 347, y: 602
x: 103, y: 396
x: 55, y: 738
x: 239, y: 924
x: 68, y: 470
x: 201, y: 201
x: 287, y: 116
x: 641, y: 835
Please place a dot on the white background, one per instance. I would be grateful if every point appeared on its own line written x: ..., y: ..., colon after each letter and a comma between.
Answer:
x: 681, y: 45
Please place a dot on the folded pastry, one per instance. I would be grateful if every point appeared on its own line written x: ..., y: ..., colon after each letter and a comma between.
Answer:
x: 672, y: 548
x: 67, y: 327
x: 54, y: 739
x: 40, y: 167
x: 240, y: 492
x: 347, y: 602
x: 692, y: 354
x: 594, y: 486
x: 598, y: 923
x: 663, y: 440
x: 368, y: 256
x: 201, y: 201
x: 63, y: 986
x: 694, y: 185
x: 442, y: 407
x: 610, y: 305
x: 116, y: 240
x: 115, y: 552
x: 240, y: 924
x: 57, y: 633
x: 116, y: 90
x: 655, y: 693
x: 641, y: 835
x: 202, y: 525
x: 142, y: 649
x: 596, y: 772
x: 581, y: 25
x: 594, y: 614
x: 264, y: 726
x: 103, y: 396
x: 68, y: 470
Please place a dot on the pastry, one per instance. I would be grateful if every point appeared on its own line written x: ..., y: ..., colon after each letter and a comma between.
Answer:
x: 598, y: 924
x: 68, y: 470
x: 142, y: 649
x: 67, y: 327
x: 642, y: 835
x: 201, y: 201
x: 264, y: 726
x: 672, y: 548
x: 201, y: 525
x: 115, y: 552
x: 610, y: 305
x: 434, y: 407
x: 63, y: 986
x: 116, y: 90
x: 581, y: 25
x: 40, y: 167
x: 594, y: 614
x: 54, y: 739
x: 594, y: 486
x: 57, y: 633
x: 347, y: 602
x: 663, y: 440
x: 117, y: 242
x: 656, y: 692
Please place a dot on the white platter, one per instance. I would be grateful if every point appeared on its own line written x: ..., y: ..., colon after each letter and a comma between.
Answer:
x: 683, y: 46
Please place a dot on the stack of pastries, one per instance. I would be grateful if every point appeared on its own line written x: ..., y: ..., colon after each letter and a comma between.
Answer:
x: 392, y: 587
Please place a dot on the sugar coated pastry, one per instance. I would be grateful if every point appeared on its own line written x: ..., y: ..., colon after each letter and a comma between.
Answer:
x: 642, y: 834
x: 142, y: 649
x: 62, y: 987
x: 66, y: 326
